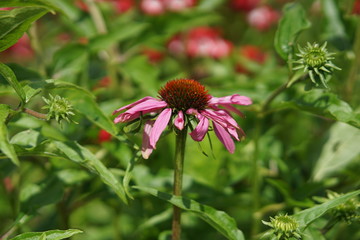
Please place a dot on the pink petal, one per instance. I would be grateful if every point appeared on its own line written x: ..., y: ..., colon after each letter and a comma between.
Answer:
x: 146, y: 148
x: 179, y: 121
x: 224, y: 137
x: 159, y: 126
x: 221, y: 117
x: 133, y: 104
x: 201, y: 129
x: 150, y: 105
x: 232, y: 99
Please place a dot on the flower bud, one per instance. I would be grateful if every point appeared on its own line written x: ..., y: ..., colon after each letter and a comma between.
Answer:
x: 59, y: 108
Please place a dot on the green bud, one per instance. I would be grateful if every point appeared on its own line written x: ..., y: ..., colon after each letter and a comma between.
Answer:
x: 58, y: 108
x: 284, y: 227
x: 316, y: 60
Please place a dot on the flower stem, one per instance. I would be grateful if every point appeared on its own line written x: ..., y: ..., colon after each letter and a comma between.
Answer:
x: 178, y: 175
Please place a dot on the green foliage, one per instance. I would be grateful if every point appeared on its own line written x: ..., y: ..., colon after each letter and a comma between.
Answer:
x: 291, y: 24
x: 301, y: 141
x: 217, y: 219
x: 50, y: 235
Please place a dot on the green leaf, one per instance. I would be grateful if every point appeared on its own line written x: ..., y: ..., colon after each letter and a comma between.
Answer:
x: 327, y: 105
x: 15, y: 22
x: 309, y: 215
x: 27, y: 139
x: 35, y: 196
x: 27, y: 3
x: 219, y: 220
x: 340, y: 149
x: 126, y: 31
x: 81, y: 155
x: 50, y: 235
x: 69, y: 61
x: 10, y: 77
x: 5, y: 145
x: 139, y: 70
x: 291, y: 24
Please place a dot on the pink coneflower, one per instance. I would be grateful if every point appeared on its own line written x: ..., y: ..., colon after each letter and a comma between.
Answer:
x: 180, y: 103
x: 262, y: 18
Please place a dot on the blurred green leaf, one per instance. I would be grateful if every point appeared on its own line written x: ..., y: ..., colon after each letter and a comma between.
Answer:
x: 327, y: 105
x: 70, y: 61
x: 50, y: 235
x: 291, y: 24
x: 335, y: 29
x: 340, y: 149
x: 81, y: 155
x: 28, y: 139
x: 15, y: 22
x: 219, y: 220
x: 35, y: 196
x: 309, y: 215
x: 143, y: 73
x: 5, y: 145
x: 129, y: 30
x: 10, y: 77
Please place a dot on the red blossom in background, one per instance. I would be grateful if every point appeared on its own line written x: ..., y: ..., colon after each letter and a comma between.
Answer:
x: 123, y: 6
x: 251, y: 53
x: 179, y: 5
x: 262, y: 18
x: 243, y: 5
x: 153, y: 55
x: 200, y: 42
x: 21, y: 50
x: 356, y: 7
x: 104, y: 136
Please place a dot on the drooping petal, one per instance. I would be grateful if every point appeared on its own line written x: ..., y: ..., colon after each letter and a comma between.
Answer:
x: 224, y: 137
x: 133, y: 104
x: 179, y: 121
x: 192, y: 111
x: 221, y: 117
x: 150, y: 105
x: 201, y: 129
x: 146, y: 148
x: 232, y: 99
x: 159, y: 126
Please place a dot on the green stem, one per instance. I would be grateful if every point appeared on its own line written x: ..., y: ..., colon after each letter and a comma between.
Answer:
x: 178, y: 175
x: 256, y: 179
x: 350, y: 87
x: 36, y: 45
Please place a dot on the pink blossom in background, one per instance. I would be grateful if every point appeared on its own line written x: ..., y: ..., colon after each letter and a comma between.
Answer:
x: 179, y: 5
x: 153, y: 7
x: 244, y: 5
x: 5, y: 8
x: 262, y: 18
x: 200, y: 42
x: 180, y: 102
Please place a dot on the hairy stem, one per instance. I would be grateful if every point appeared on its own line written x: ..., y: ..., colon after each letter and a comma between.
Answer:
x: 178, y: 175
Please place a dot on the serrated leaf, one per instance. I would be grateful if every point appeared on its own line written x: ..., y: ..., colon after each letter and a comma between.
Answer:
x: 340, y: 149
x: 309, y: 215
x: 5, y: 145
x: 219, y: 220
x: 14, y: 23
x: 50, y: 235
x: 291, y: 24
x: 10, y: 77
x: 81, y: 155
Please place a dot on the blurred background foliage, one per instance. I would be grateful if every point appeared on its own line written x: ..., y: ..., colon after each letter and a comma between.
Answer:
x: 101, y: 55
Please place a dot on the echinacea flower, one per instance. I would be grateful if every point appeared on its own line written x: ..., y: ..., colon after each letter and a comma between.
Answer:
x: 182, y: 102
